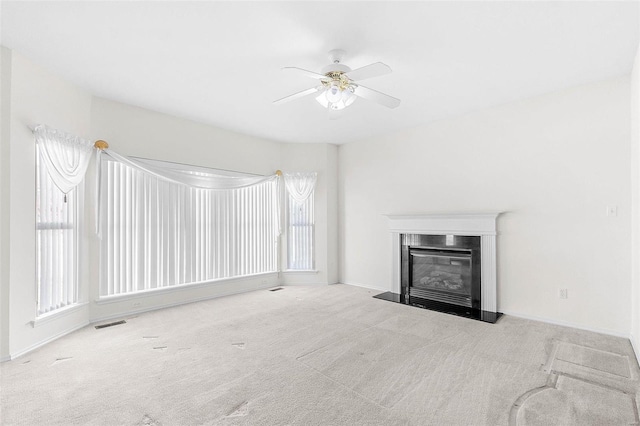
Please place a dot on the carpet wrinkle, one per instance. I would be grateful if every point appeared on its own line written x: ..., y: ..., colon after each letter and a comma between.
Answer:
x: 627, y: 390
x: 61, y: 359
x: 513, y: 414
x: 344, y: 386
x: 239, y: 410
x: 603, y: 361
x: 149, y: 421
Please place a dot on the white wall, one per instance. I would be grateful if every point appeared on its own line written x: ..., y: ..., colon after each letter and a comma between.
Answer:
x: 552, y: 163
x: 5, y: 120
x: 35, y: 96
x: 635, y: 205
x: 321, y: 158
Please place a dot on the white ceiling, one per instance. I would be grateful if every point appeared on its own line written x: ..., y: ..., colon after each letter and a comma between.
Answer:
x: 220, y: 62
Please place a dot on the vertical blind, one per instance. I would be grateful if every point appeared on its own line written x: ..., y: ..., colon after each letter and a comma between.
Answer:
x: 56, y: 243
x: 300, y: 230
x: 160, y: 234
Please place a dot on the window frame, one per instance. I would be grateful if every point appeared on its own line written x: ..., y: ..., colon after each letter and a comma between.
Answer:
x: 311, y: 248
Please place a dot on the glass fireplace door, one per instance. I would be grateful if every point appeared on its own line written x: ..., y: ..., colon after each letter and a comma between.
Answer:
x: 442, y: 275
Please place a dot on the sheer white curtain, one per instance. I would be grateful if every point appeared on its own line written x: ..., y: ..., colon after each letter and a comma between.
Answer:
x: 159, y: 233
x: 61, y: 163
x: 300, y: 219
x: 300, y: 185
x: 64, y: 155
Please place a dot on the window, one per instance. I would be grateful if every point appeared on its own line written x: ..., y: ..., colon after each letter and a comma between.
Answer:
x: 160, y: 234
x: 56, y: 243
x: 300, y: 230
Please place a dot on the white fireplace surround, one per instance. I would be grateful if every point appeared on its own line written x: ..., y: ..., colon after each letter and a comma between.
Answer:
x: 470, y: 224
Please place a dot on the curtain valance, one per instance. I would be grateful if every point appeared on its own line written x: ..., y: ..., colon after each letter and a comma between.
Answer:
x: 202, y: 181
x: 65, y: 156
x: 181, y: 177
x: 300, y: 184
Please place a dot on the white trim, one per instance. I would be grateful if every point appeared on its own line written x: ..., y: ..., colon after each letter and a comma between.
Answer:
x: 47, y: 340
x: 303, y: 284
x: 300, y: 271
x: 58, y: 313
x: 488, y: 272
x: 175, y: 288
x: 634, y: 346
x: 382, y: 290
x: 128, y: 314
x: 567, y: 324
x: 5, y: 359
x: 445, y: 223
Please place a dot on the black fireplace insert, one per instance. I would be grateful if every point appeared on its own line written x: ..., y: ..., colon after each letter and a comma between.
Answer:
x: 442, y: 268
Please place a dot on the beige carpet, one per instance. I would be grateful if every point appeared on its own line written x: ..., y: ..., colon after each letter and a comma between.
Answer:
x: 321, y: 356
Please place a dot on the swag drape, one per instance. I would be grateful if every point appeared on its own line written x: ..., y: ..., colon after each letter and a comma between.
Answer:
x: 300, y: 184
x: 201, y: 181
x: 65, y: 156
x: 190, y: 179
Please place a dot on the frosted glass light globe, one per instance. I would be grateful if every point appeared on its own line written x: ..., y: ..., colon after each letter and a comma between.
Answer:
x: 334, y: 94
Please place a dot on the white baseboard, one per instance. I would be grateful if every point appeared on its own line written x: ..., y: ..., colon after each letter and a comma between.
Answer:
x: 567, y: 324
x: 45, y: 341
x: 182, y: 302
x: 5, y: 359
x: 634, y: 346
x: 382, y: 290
x: 301, y: 284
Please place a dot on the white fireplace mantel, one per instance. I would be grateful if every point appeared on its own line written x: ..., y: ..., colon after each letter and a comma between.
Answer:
x: 471, y: 224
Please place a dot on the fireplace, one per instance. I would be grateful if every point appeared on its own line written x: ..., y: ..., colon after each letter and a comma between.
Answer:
x: 442, y: 268
x: 445, y: 262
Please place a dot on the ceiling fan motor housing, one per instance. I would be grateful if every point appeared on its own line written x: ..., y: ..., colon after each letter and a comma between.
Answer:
x: 337, y: 67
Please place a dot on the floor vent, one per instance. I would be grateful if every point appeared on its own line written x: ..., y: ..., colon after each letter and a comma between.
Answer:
x: 276, y: 289
x: 98, y: 327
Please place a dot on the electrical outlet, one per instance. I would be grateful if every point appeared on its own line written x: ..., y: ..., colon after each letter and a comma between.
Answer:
x: 612, y: 211
x: 137, y: 304
x: 563, y: 293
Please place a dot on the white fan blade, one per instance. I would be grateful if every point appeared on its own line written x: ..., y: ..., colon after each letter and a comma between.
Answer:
x: 297, y: 95
x: 375, y: 96
x: 308, y: 73
x: 368, y: 71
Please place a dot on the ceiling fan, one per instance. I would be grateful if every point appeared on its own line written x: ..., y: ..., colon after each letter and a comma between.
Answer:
x: 339, y: 85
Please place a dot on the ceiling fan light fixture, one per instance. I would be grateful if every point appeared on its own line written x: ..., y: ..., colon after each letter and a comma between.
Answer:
x: 334, y: 92
x: 348, y: 95
x: 340, y: 85
x: 342, y: 103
